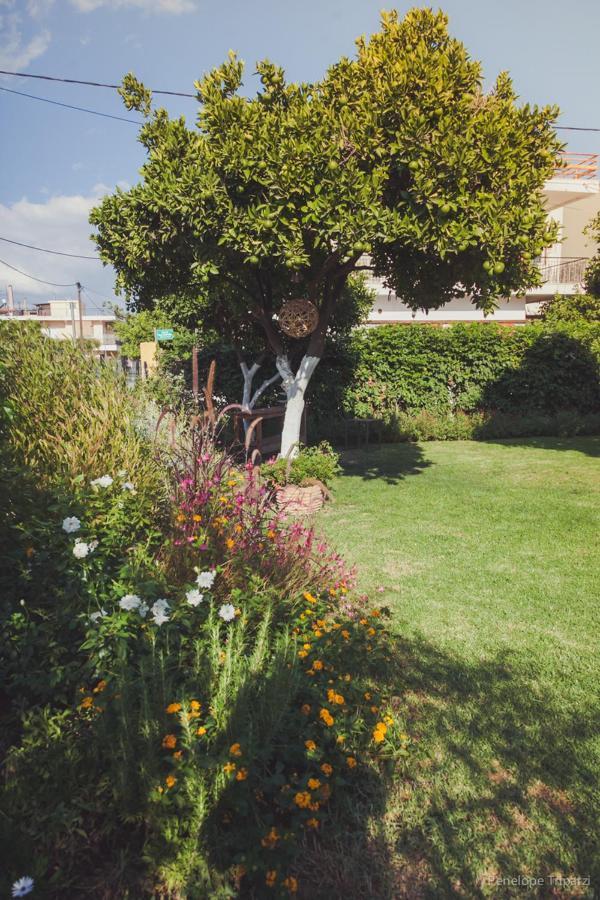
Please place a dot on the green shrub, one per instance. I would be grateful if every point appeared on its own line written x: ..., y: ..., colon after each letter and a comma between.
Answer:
x: 72, y: 414
x: 320, y: 463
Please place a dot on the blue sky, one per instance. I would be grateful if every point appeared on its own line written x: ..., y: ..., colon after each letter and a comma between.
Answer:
x: 54, y: 162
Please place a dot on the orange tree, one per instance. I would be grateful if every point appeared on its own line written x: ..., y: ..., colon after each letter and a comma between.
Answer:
x: 396, y: 159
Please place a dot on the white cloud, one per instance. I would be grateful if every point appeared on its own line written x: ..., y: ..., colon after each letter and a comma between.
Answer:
x: 16, y: 51
x: 59, y: 223
x: 174, y: 7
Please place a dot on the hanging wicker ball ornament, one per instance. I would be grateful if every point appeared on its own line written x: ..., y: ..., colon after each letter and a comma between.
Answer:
x: 298, y: 318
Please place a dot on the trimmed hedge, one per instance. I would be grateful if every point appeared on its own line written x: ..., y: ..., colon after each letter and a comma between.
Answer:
x: 528, y: 371
x: 480, y: 366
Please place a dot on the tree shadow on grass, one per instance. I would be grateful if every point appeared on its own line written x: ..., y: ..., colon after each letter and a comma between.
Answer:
x: 502, y: 779
x: 391, y: 463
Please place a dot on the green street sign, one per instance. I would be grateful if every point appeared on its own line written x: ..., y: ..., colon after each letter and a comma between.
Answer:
x: 164, y: 334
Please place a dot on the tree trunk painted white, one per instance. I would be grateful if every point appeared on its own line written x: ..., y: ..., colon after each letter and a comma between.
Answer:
x: 295, y: 389
x: 248, y: 398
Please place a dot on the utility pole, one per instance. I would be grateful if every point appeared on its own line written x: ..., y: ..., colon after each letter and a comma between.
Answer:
x: 10, y: 299
x: 80, y: 311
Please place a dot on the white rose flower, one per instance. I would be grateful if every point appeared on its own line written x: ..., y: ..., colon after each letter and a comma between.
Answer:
x: 71, y: 524
x: 80, y: 549
x: 143, y: 609
x: 130, y: 601
x: 23, y: 886
x: 128, y: 486
x: 160, y: 618
x: 194, y: 597
x: 92, y: 545
x: 227, y: 612
x: 104, y: 481
x: 160, y: 607
x: 206, y: 579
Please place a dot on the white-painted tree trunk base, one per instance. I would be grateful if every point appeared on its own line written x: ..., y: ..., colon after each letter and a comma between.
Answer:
x: 295, y: 389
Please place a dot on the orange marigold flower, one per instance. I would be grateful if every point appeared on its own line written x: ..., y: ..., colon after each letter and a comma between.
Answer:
x: 318, y: 665
x: 302, y: 654
x: 271, y: 534
x: 306, y: 646
x: 302, y: 799
x: 326, y: 716
x: 230, y: 543
x: 270, y: 840
x: 378, y: 735
x: 313, y: 823
x: 305, y: 709
x: 331, y: 695
x: 367, y: 695
x: 374, y: 709
x: 229, y: 767
x: 271, y: 878
x: 178, y: 754
x: 101, y: 686
x: 169, y: 741
x: 309, y: 597
x: 345, y: 634
x: 326, y: 769
x: 87, y: 703
x: 340, y: 739
x: 314, y: 784
x: 200, y: 731
x: 364, y: 621
x: 195, y: 705
x: 351, y: 762
x: 235, y: 750
x: 291, y: 884
x: 370, y: 632
x: 339, y: 700
x: 174, y: 707
x: 241, y: 774
x: 170, y: 780
x: 376, y: 613
x: 310, y: 745
x: 196, y: 517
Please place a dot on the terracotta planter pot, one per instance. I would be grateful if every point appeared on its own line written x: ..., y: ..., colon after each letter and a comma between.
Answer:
x: 297, y: 500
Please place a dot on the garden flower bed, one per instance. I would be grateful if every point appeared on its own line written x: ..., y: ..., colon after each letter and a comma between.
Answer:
x: 193, y: 695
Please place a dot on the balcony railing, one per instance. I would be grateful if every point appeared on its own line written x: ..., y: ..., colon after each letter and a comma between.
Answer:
x: 578, y: 165
x: 563, y: 270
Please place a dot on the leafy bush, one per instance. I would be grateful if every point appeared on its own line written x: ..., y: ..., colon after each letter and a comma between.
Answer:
x: 319, y: 463
x: 72, y: 414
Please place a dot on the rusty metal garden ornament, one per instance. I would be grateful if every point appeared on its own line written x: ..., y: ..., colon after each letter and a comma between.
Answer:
x: 298, y: 318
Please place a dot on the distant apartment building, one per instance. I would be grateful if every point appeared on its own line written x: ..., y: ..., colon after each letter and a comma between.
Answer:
x: 60, y: 319
x: 572, y: 199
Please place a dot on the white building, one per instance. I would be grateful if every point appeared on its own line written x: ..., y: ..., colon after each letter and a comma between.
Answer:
x: 572, y: 199
x: 60, y: 319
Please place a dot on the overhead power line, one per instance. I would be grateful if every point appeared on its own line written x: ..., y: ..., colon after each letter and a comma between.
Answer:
x: 54, y: 252
x: 101, y: 84
x: 33, y: 277
x: 92, y: 112
x: 93, y: 83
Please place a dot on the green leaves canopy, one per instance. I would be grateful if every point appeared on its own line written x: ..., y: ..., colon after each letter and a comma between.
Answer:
x: 397, y: 153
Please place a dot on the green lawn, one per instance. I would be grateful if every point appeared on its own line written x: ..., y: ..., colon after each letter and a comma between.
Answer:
x: 488, y: 558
